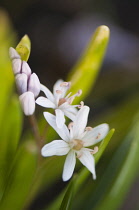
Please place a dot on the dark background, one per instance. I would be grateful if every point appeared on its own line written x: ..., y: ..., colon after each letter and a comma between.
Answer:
x: 59, y: 31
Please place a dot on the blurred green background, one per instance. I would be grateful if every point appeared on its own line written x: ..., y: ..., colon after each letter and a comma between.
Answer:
x: 59, y: 31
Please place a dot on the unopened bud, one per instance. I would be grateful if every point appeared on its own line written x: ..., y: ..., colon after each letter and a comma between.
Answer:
x: 28, y: 103
x: 34, y: 85
x: 16, y: 66
x: 21, y: 82
x: 25, y: 68
x: 13, y: 53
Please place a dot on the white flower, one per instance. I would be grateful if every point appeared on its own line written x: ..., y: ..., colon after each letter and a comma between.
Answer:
x: 59, y: 101
x: 74, y: 142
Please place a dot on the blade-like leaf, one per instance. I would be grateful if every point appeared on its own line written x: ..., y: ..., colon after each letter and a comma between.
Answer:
x: 128, y: 165
x: 6, y: 75
x: 10, y: 134
x: 83, y: 75
x: 68, y: 197
x: 20, y: 178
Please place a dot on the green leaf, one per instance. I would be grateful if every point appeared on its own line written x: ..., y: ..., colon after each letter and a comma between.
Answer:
x: 10, y: 135
x: 6, y: 75
x: 20, y: 179
x: 24, y: 48
x: 68, y: 197
x: 126, y: 164
x: 83, y: 75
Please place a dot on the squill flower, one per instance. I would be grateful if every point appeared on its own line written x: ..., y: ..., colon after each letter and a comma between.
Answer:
x: 59, y: 101
x: 75, y: 139
x: 28, y: 83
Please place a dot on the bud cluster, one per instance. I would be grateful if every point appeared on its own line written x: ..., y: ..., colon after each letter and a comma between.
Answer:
x: 28, y: 83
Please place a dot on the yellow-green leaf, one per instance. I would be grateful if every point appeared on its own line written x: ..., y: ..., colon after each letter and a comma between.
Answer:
x: 83, y: 75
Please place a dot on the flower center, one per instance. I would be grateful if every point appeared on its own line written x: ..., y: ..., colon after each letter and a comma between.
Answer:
x: 77, y: 144
x: 61, y: 101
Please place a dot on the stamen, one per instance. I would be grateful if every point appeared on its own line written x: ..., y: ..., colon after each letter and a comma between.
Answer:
x: 68, y: 95
x: 95, y: 150
x: 64, y: 84
x: 81, y: 105
x: 58, y: 91
x: 70, y: 100
x: 79, y: 92
x: 88, y: 129
x: 70, y: 125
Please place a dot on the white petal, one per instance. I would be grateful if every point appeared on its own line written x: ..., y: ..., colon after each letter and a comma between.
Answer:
x: 16, y: 66
x: 95, y: 135
x: 42, y: 101
x: 25, y: 68
x: 63, y: 133
x: 87, y: 160
x: 13, y: 53
x: 48, y: 93
x: 21, y: 82
x: 60, y: 119
x: 34, y: 84
x: 57, y: 147
x: 69, y: 166
x: 57, y: 86
x: 70, y: 115
x: 80, y: 121
x: 28, y: 103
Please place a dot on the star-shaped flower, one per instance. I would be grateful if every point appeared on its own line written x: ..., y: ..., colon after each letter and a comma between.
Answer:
x: 75, y: 139
x: 59, y: 101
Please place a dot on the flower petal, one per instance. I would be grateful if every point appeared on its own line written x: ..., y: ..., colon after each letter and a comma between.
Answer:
x: 42, y: 101
x: 13, y: 53
x: 63, y: 133
x: 57, y: 147
x: 80, y: 121
x: 69, y: 166
x: 34, y: 84
x: 87, y: 160
x: 57, y: 86
x: 16, y: 66
x: 95, y: 135
x: 28, y: 103
x: 21, y: 82
x: 48, y: 93
x: 60, y: 119
x: 25, y: 68
x: 70, y: 115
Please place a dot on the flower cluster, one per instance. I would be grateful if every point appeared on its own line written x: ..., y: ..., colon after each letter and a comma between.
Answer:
x: 74, y: 138
x: 28, y: 83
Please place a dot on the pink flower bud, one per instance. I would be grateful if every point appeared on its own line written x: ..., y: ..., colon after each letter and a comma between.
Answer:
x: 34, y: 85
x: 27, y: 101
x: 16, y: 66
x: 21, y: 82
x: 25, y: 68
x: 13, y: 53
